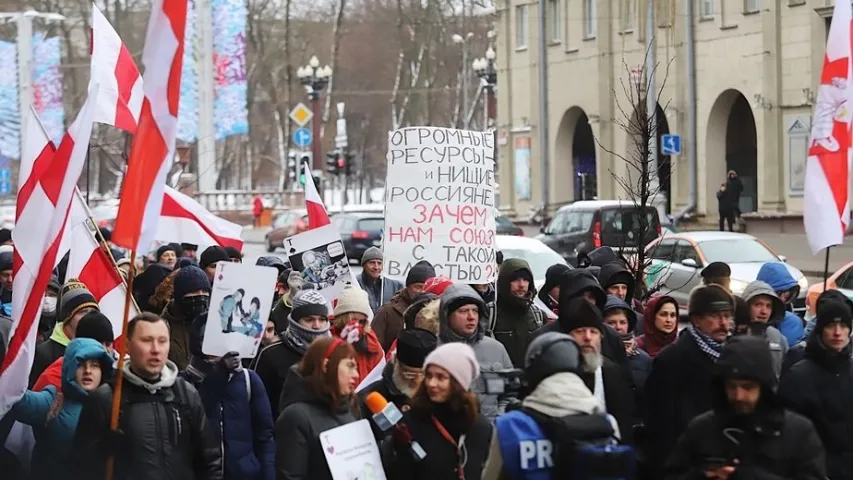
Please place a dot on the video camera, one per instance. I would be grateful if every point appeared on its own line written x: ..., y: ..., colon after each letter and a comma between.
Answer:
x: 505, y: 384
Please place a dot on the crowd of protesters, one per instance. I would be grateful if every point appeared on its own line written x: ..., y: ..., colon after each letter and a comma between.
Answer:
x: 611, y: 383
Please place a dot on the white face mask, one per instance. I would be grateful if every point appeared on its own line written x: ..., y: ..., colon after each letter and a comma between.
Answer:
x: 49, y: 305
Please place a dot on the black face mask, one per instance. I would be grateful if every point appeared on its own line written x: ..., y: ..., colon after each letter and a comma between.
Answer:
x: 194, y: 306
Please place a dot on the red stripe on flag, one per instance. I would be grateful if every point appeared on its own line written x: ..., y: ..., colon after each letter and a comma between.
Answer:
x: 40, y: 165
x: 172, y: 208
x: 99, y: 275
x: 317, y: 216
x: 176, y: 10
x: 126, y: 75
x: 52, y: 184
x: 148, y: 153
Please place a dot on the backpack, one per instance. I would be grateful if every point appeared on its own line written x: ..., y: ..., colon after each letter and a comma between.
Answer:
x: 584, y: 447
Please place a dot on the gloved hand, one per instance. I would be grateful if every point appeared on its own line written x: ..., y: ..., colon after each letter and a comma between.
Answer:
x: 230, y: 362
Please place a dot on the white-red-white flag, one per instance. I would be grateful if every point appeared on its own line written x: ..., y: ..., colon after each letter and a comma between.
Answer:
x: 184, y: 220
x: 154, y: 143
x: 114, y: 70
x: 317, y: 214
x: 90, y: 263
x: 826, y: 211
x: 43, y: 202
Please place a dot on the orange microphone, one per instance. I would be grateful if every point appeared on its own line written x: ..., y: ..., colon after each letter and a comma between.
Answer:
x: 386, y: 415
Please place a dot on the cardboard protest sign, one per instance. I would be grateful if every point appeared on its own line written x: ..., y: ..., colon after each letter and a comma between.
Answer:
x: 320, y: 256
x: 351, y: 452
x: 240, y: 305
x: 440, y: 203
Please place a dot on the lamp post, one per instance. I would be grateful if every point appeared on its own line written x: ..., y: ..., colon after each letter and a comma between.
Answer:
x: 25, y: 54
x: 315, y: 78
x: 463, y: 41
x: 484, y: 67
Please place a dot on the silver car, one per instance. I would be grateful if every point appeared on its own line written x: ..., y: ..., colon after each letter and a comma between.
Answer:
x: 678, y: 259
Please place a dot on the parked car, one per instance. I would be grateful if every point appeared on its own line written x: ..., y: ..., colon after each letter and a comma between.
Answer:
x: 506, y: 227
x: 538, y: 255
x: 678, y: 259
x: 586, y: 225
x: 286, y: 224
x: 841, y: 280
x: 359, y: 231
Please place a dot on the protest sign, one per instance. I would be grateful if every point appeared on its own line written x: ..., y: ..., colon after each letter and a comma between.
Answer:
x: 440, y: 203
x: 240, y: 305
x: 320, y: 256
x: 352, y: 453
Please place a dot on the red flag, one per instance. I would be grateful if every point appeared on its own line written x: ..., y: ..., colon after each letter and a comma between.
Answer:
x: 317, y: 214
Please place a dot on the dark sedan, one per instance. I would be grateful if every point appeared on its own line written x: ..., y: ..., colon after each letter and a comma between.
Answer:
x: 359, y: 231
x: 505, y: 227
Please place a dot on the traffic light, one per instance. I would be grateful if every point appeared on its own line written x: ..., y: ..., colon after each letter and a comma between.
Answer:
x: 350, y: 161
x: 292, y: 169
x: 332, y: 162
x: 304, y: 165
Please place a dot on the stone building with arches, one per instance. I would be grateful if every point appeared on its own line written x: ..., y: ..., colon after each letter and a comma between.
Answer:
x: 757, y: 64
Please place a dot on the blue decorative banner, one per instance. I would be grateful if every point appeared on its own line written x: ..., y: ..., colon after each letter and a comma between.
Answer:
x: 229, y: 67
x: 47, y: 85
x: 10, y: 140
x: 188, y: 101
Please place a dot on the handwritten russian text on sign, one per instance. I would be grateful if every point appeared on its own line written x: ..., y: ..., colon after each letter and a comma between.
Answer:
x: 440, y: 203
x: 352, y: 453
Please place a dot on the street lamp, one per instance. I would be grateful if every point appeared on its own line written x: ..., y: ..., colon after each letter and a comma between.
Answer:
x: 315, y: 78
x: 484, y: 67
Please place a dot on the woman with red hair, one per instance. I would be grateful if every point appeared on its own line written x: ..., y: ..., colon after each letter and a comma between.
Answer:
x: 322, y: 399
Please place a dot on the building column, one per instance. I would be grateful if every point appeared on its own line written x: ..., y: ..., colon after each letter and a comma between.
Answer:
x: 604, y: 162
x: 771, y: 151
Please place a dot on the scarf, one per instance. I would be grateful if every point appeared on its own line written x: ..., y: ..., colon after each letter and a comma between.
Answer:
x: 299, y: 338
x: 708, y: 345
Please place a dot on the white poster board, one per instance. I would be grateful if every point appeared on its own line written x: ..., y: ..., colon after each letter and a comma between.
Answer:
x: 352, y: 453
x: 440, y: 203
x: 240, y: 304
x: 320, y: 256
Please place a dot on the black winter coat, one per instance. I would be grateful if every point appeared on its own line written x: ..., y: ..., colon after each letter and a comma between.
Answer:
x: 46, y: 353
x: 165, y: 435
x: 442, y: 458
x: 272, y: 364
x: 820, y: 387
x: 611, y: 343
x: 304, y: 416
x: 618, y: 394
x: 386, y: 387
x: 677, y: 390
x: 771, y: 443
x: 512, y: 319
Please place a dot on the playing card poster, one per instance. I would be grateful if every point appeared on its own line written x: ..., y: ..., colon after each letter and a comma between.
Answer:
x: 320, y: 256
x: 240, y: 305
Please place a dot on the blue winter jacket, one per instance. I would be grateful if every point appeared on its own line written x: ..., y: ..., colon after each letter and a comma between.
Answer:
x: 242, y: 423
x: 776, y: 274
x: 54, y: 436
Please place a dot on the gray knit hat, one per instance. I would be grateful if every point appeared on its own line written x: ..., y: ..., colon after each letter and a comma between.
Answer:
x: 307, y: 303
x: 372, y: 253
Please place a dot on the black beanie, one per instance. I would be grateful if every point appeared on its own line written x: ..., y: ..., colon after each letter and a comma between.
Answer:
x: 5, y: 261
x: 97, y: 326
x: 833, y: 311
x: 163, y: 249
x: 189, y: 279
x: 212, y: 255
x: 233, y: 253
x: 580, y: 313
x: 414, y: 345
x: 710, y: 299
x: 186, y: 262
x: 420, y: 272
x: 5, y: 235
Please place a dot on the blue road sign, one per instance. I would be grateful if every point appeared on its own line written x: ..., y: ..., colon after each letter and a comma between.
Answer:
x: 670, y: 144
x: 302, y: 137
x: 5, y: 181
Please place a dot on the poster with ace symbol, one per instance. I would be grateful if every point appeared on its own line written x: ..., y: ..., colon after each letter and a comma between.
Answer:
x: 320, y: 257
x: 240, y: 304
x: 351, y: 452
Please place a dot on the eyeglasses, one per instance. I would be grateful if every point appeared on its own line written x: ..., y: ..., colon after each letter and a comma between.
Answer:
x: 412, y: 374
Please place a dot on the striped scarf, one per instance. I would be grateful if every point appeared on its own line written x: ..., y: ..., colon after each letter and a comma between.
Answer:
x: 708, y: 345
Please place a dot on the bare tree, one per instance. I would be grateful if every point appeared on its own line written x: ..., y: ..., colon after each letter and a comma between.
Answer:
x: 641, y: 182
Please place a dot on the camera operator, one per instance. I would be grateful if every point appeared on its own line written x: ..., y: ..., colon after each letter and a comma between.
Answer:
x: 748, y: 433
x: 533, y: 441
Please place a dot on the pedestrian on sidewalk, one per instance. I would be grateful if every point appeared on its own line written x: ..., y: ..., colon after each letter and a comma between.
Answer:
x: 735, y: 188
x: 726, y: 208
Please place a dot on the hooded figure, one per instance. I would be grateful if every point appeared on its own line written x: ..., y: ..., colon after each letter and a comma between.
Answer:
x: 776, y: 274
x: 582, y: 282
x: 514, y: 317
x: 639, y: 362
x: 190, y: 299
x: 599, y: 257
x: 820, y: 386
x: 553, y: 279
x: 798, y: 351
x: 747, y: 423
x: 617, y: 280
x: 491, y: 354
x: 54, y: 415
x: 767, y: 329
x: 653, y: 339
x: 146, y: 283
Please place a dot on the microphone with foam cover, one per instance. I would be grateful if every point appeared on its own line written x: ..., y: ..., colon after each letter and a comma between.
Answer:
x: 386, y: 415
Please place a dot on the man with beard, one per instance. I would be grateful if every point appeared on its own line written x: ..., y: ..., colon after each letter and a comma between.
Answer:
x: 403, y: 375
x: 748, y: 434
x: 514, y: 317
x: 605, y: 379
x: 679, y: 385
x: 820, y: 386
